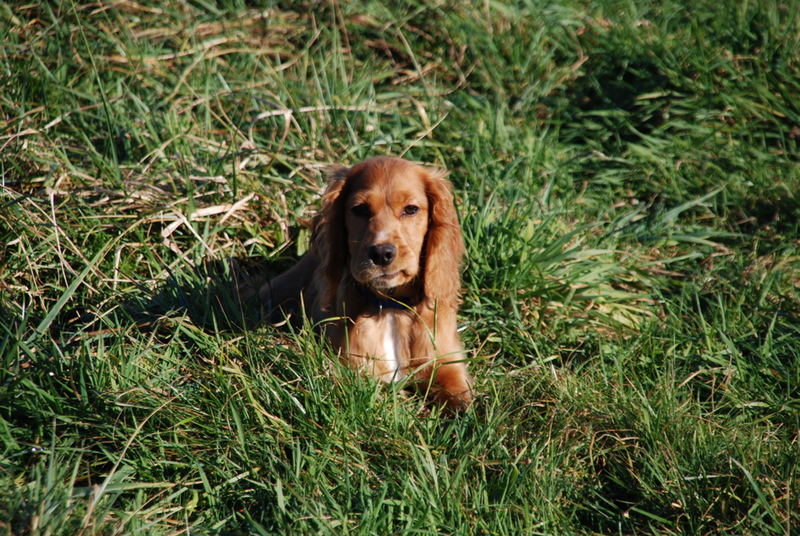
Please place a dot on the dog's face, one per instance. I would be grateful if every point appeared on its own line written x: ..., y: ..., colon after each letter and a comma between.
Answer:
x: 386, y: 212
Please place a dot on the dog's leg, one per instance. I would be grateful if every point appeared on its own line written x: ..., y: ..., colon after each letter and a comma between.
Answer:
x: 439, y: 363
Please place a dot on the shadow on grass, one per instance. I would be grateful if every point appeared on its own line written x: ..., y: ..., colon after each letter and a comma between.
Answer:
x: 218, y: 295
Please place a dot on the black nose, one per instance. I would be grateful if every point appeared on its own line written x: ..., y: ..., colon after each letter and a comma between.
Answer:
x: 382, y: 254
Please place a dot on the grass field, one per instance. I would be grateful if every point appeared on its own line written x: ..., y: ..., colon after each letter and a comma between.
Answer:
x: 628, y: 177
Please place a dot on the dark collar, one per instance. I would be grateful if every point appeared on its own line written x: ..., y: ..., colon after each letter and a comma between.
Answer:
x: 384, y: 302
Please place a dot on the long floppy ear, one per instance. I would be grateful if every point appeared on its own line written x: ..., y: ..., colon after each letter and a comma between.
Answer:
x: 444, y: 248
x: 330, y: 235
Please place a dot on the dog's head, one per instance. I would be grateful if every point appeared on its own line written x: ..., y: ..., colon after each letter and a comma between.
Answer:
x: 392, y: 225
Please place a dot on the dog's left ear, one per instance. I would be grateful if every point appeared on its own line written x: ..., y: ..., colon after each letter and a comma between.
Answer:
x: 331, y: 236
x: 444, y: 247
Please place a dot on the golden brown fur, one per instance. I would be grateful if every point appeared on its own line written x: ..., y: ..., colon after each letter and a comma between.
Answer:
x: 384, y: 262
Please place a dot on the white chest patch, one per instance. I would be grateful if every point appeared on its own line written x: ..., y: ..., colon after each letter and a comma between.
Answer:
x: 391, y: 355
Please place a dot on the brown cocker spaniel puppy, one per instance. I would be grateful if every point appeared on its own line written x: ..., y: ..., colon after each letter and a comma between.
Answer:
x: 382, y: 272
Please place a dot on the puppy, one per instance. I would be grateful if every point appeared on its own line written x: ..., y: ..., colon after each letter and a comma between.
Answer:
x: 382, y: 275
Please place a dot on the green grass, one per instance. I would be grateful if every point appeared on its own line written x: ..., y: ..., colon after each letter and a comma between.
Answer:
x: 629, y: 187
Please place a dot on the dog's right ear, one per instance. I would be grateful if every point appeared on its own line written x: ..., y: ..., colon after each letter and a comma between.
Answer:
x: 444, y: 247
x: 330, y: 234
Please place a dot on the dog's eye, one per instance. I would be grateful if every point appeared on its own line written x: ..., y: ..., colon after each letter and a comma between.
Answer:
x: 410, y: 210
x: 361, y: 211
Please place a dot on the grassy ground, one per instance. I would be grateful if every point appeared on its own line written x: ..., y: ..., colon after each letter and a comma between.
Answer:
x: 628, y: 179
